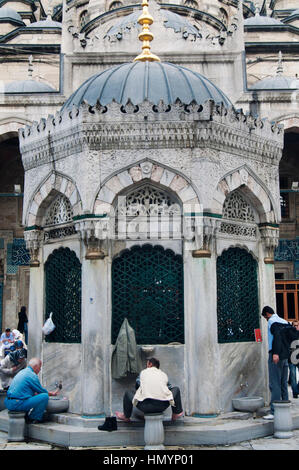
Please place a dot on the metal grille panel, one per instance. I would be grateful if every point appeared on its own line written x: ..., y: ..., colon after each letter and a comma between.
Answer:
x: 147, y: 289
x: 63, y: 295
x: 237, y: 296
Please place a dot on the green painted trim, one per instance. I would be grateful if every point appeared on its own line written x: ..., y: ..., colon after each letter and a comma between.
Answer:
x: 203, y: 214
x: 89, y: 216
x: 211, y: 214
x: 32, y: 227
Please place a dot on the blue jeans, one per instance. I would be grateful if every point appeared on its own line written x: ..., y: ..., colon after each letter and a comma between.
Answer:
x: 293, y: 379
x: 38, y: 404
x: 278, y: 380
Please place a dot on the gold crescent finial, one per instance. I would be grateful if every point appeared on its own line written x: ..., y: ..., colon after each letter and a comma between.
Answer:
x: 145, y: 19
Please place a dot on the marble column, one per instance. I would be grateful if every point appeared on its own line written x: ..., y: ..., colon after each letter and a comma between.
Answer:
x: 200, y: 334
x: 95, y: 336
x: 35, y: 311
x: 267, y: 297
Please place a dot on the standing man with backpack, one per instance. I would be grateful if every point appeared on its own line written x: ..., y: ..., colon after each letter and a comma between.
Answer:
x: 277, y: 366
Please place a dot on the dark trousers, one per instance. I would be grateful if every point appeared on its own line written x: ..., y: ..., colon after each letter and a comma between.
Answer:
x: 151, y: 405
x: 278, y: 380
x: 293, y: 378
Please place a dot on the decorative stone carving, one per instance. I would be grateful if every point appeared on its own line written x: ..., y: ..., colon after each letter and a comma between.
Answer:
x: 235, y: 207
x: 214, y: 125
x: 94, y: 233
x: 33, y: 239
x: 270, y: 239
x: 205, y: 231
x: 238, y: 219
x: 59, y: 212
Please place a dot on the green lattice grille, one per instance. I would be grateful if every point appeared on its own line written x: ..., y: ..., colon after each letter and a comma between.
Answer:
x: 63, y: 295
x: 147, y: 288
x: 237, y: 296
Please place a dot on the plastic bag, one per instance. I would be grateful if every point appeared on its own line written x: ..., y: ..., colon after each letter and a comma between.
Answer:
x: 49, y: 325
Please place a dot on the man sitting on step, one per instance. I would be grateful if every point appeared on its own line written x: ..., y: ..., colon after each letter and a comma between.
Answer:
x: 26, y: 393
x: 154, y: 394
x: 11, y: 365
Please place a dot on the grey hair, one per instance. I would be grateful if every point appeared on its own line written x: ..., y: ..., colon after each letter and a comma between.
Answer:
x: 35, y: 361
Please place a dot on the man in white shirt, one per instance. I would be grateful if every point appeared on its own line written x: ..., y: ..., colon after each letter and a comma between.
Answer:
x: 277, y: 368
x: 154, y: 394
x: 11, y: 365
x: 7, y: 339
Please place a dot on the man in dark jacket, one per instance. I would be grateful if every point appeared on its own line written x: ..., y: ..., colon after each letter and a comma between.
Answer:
x: 277, y: 359
x: 283, y: 336
x: 294, y: 362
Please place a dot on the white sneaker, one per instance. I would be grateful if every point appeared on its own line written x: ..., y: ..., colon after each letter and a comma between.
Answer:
x: 270, y: 416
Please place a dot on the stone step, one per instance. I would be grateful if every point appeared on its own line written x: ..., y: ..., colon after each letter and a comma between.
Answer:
x: 213, y: 432
x: 77, y: 431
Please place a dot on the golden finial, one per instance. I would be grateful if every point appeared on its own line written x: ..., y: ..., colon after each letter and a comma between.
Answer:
x: 145, y: 19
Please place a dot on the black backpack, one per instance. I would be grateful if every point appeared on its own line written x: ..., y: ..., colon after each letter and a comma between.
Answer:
x: 283, y: 337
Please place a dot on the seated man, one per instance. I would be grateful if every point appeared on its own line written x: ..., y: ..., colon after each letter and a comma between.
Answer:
x: 26, y: 393
x: 11, y: 365
x: 153, y: 395
x: 7, y: 339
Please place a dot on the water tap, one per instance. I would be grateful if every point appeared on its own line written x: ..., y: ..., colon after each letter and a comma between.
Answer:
x: 244, y: 385
x: 58, y: 384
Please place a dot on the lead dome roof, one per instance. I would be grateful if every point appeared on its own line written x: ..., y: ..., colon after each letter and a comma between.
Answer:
x: 151, y: 81
x: 27, y: 86
x: 279, y: 82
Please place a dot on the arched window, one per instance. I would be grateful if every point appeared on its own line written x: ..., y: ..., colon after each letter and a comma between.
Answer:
x: 147, y: 212
x: 63, y: 295
x: 58, y: 219
x: 83, y: 18
x: 239, y: 219
x: 223, y: 16
x: 147, y: 289
x: 59, y: 212
x: 237, y: 296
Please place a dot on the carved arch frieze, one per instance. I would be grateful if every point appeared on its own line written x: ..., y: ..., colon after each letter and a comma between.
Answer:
x: 246, y: 181
x: 55, y: 183
x: 146, y: 170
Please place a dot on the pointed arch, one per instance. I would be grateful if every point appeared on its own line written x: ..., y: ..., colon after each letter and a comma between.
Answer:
x: 253, y: 188
x: 146, y: 170
x: 55, y: 183
x: 9, y: 126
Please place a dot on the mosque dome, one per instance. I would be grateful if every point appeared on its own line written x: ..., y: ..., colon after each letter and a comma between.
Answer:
x: 279, y: 82
x: 47, y: 23
x: 259, y: 20
x: 10, y: 15
x: 153, y: 81
x: 27, y: 86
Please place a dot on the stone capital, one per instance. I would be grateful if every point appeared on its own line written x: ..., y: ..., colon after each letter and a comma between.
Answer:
x: 270, y: 240
x: 94, y: 233
x: 33, y: 239
x: 205, y: 231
